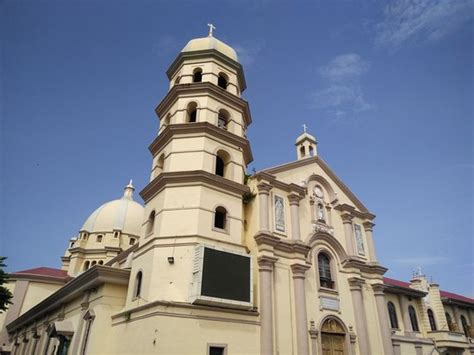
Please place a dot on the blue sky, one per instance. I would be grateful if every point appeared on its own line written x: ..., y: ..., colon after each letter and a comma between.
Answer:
x: 386, y: 87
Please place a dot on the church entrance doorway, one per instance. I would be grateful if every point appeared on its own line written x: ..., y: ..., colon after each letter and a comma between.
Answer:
x: 333, y: 338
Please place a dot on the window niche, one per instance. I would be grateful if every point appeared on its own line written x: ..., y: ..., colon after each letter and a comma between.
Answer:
x: 138, y: 285
x: 150, y: 225
x: 431, y: 319
x: 223, y: 119
x: 220, y: 218
x: 197, y: 75
x: 222, y: 164
x: 413, y: 319
x: 191, y: 113
x: 392, y: 314
x: 223, y: 81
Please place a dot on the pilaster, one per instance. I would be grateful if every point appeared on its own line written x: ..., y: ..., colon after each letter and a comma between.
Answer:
x: 348, y: 232
x: 368, y: 227
x: 299, y: 271
x: 263, y: 198
x: 383, y: 320
x: 360, y: 314
x: 265, y: 268
x: 294, y: 200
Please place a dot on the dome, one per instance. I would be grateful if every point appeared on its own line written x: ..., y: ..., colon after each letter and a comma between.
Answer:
x: 123, y: 214
x: 200, y: 44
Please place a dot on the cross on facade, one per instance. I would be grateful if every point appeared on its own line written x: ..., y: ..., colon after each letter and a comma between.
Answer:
x: 211, y: 28
x: 305, y: 128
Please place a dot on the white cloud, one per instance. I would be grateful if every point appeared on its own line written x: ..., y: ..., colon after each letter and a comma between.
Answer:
x: 341, y: 98
x: 344, y: 67
x: 408, y: 20
x: 247, y: 54
x: 343, y: 94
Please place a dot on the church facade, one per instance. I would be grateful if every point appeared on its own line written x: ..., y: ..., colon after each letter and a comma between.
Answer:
x: 217, y: 262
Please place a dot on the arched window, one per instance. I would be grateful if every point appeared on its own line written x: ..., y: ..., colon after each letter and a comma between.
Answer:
x: 101, y: 262
x: 432, y: 320
x: 302, y: 151
x: 150, y: 223
x: 99, y: 239
x: 449, y: 321
x: 86, y: 265
x: 465, y: 327
x: 222, y: 160
x: 93, y: 263
x: 222, y: 81
x: 160, y: 164
x: 324, y: 267
x: 191, y: 112
x: 392, y: 314
x: 197, y: 75
x: 220, y: 218
x: 413, y: 319
x: 311, y: 151
x: 131, y: 241
x: 223, y: 119
x: 138, y: 284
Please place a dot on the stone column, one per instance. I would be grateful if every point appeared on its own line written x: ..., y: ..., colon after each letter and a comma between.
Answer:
x: 405, y: 315
x: 263, y: 196
x: 396, y: 349
x: 348, y: 231
x: 419, y: 349
x: 368, y: 227
x: 383, y: 319
x: 457, y: 319
x: 313, y: 333
x: 295, y: 215
x: 360, y: 315
x: 300, y: 305
x: 265, y: 268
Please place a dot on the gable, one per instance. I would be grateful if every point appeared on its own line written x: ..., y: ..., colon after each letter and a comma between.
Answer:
x: 315, y: 168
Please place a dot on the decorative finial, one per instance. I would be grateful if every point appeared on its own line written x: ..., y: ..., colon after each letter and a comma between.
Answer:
x: 305, y: 127
x: 211, y: 28
x: 128, y: 190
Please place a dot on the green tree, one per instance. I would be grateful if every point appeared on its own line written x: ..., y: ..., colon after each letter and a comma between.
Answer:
x: 5, y: 294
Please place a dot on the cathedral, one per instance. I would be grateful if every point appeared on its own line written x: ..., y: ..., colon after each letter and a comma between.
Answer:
x: 218, y: 262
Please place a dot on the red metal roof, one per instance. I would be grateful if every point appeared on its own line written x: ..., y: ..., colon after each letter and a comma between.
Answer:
x: 45, y: 271
x: 393, y: 282
x: 450, y: 295
x: 457, y: 297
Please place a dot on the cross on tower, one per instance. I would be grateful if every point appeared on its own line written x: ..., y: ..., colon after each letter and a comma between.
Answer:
x: 211, y: 28
x: 305, y: 128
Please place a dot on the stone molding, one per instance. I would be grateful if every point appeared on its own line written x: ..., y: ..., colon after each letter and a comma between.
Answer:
x: 299, y: 270
x: 369, y: 268
x: 266, y: 263
x: 352, y: 210
x: 289, y: 246
x: 368, y: 226
x: 192, y: 176
x: 379, y: 289
x: 208, y: 88
x: 264, y: 188
x: 347, y: 218
x: 274, y: 182
x: 206, y: 54
x: 294, y: 199
x: 206, y: 128
x: 356, y: 283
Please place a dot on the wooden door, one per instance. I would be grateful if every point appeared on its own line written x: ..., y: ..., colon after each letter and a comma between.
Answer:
x: 332, y: 344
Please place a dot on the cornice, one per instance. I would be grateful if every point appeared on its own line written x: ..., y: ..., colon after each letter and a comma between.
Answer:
x: 458, y: 303
x: 369, y: 268
x: 83, y: 250
x: 289, y: 246
x: 206, y: 88
x: 192, y: 176
x: 299, y: 270
x: 89, y: 279
x: 204, y: 54
x: 407, y: 291
x: 352, y: 210
x: 39, y: 278
x: 274, y: 182
x: 173, y: 130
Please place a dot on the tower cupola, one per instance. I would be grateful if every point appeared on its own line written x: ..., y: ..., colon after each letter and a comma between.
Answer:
x: 306, y: 145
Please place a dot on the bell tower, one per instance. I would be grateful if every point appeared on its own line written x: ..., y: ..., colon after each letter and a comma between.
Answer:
x: 200, y: 156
